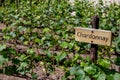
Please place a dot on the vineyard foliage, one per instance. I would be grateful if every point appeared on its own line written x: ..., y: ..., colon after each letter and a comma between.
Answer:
x: 46, y: 28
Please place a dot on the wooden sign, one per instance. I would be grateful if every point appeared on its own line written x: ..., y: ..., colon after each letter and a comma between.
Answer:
x: 93, y: 36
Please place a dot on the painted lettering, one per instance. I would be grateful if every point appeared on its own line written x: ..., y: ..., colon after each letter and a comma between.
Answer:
x: 92, y: 36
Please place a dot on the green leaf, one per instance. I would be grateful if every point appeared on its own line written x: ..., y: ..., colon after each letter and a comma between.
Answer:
x: 102, y: 77
x: 23, y: 57
x: 77, y: 56
x: 82, y: 64
x: 15, y: 61
x: 2, y: 60
x: 12, y: 34
x: 90, y: 69
x: 110, y: 77
x: 31, y: 51
x: 37, y: 40
x: 64, y: 44
x: 117, y: 76
x: 2, y: 47
x: 117, y: 61
x: 49, y: 54
x: 37, y: 18
x: 61, y: 56
x: 34, y: 76
x: 25, y: 42
x: 72, y: 70
x: 22, y: 66
x: 71, y: 45
x: 104, y: 63
x: 64, y: 78
x: 46, y: 30
x: 87, y: 78
x: 78, y: 72
x: 114, y: 29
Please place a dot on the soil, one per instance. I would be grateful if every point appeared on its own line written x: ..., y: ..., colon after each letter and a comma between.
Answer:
x: 6, y: 77
x: 2, y: 26
x: 56, y: 75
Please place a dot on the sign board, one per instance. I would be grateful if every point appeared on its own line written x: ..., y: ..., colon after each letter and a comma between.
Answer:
x: 93, y: 36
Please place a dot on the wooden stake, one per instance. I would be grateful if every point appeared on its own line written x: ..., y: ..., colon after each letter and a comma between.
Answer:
x: 94, y: 47
x: 30, y: 3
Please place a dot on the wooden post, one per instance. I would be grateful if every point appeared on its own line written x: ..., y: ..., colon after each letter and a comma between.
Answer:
x: 30, y: 3
x: 17, y: 5
x: 94, y: 47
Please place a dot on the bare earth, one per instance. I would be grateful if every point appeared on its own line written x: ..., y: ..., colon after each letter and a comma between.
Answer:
x: 56, y: 75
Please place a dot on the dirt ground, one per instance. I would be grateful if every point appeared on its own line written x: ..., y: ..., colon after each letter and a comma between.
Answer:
x: 56, y: 75
x: 5, y: 77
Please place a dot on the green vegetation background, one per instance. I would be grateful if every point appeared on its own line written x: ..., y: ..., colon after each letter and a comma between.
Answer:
x: 49, y: 25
